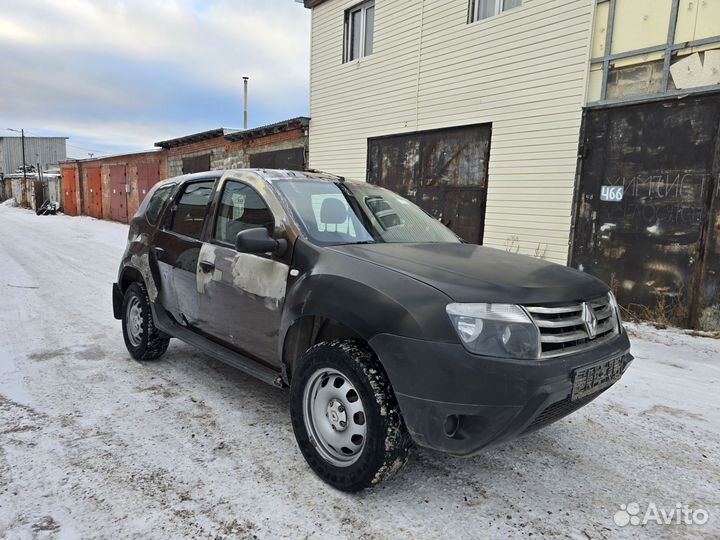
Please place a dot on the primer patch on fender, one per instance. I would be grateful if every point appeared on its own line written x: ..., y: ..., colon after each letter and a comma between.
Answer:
x: 203, y: 279
x: 262, y: 277
x: 142, y: 263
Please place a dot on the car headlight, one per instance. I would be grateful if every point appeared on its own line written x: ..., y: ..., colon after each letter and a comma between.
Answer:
x: 503, y: 330
x: 616, y: 309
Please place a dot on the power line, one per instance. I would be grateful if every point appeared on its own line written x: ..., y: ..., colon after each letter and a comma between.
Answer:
x: 87, y: 149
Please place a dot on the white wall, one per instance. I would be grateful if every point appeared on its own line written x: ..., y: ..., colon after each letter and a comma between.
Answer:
x: 524, y: 71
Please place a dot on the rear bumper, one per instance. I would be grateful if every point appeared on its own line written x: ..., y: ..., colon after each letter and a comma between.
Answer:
x: 492, y: 399
x: 117, y: 300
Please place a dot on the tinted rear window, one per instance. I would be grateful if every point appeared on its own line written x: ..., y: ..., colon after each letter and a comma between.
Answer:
x: 192, y: 209
x: 157, y: 203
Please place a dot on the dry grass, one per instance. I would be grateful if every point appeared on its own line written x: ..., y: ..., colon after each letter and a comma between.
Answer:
x: 668, y: 310
x: 541, y: 251
x: 512, y: 244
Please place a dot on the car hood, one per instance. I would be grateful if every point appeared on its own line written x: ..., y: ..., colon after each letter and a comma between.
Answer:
x: 471, y: 273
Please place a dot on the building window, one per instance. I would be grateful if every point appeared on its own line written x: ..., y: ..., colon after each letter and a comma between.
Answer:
x: 482, y: 9
x: 359, y: 31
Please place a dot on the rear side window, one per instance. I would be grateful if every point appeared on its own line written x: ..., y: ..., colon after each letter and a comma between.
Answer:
x: 192, y: 208
x: 157, y: 204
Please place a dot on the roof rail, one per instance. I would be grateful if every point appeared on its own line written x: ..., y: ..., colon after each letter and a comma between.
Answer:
x: 337, y: 176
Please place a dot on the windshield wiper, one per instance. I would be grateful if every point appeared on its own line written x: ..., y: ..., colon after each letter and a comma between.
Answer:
x: 356, y: 243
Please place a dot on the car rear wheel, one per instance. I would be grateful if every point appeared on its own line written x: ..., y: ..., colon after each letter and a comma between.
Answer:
x: 345, y: 417
x: 142, y: 339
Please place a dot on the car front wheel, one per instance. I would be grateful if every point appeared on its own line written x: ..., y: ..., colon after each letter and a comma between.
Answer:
x: 345, y: 416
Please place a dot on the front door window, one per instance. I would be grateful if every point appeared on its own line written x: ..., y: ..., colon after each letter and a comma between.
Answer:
x: 241, y: 208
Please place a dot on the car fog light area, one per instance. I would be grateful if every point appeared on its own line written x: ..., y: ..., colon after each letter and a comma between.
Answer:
x: 502, y: 330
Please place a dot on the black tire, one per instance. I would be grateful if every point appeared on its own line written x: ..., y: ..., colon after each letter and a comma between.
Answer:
x: 149, y: 343
x: 386, y: 442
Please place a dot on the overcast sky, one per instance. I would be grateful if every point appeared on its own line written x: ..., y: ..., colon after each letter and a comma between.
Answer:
x: 120, y: 75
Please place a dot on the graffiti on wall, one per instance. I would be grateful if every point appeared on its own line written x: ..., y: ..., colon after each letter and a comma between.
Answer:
x: 659, y: 244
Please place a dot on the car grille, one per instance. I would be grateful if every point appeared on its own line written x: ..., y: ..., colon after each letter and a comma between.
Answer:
x: 563, y: 330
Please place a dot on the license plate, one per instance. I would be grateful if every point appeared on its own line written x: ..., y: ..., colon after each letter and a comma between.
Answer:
x: 590, y: 380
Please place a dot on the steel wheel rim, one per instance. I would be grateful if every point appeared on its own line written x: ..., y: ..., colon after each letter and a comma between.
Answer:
x: 334, y: 417
x: 134, y: 321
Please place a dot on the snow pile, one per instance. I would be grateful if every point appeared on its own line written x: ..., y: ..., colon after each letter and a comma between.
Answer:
x: 10, y: 203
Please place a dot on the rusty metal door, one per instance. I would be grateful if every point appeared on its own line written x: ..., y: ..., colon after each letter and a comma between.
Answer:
x: 642, y: 211
x: 292, y: 159
x: 443, y: 171
x: 118, y: 193
x: 196, y: 164
x: 38, y: 190
x: 94, y: 192
x: 69, y: 192
x: 148, y: 174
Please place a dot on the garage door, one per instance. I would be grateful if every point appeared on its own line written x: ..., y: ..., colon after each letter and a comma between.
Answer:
x: 442, y: 171
x: 292, y: 160
x: 94, y: 207
x: 196, y: 164
x: 647, y: 218
x: 118, y: 193
x: 148, y: 174
x: 69, y: 192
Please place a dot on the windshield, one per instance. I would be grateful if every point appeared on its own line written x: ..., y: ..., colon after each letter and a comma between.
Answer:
x: 355, y: 212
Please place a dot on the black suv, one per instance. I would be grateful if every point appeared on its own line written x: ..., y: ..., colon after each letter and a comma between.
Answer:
x: 387, y: 327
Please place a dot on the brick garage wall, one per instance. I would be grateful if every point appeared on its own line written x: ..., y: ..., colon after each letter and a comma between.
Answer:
x: 224, y: 154
x: 130, y: 162
x: 75, y: 168
x: 288, y: 140
x: 215, y: 147
x: 234, y: 155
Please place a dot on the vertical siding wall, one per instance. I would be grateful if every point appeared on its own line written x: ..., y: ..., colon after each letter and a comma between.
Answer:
x: 524, y: 71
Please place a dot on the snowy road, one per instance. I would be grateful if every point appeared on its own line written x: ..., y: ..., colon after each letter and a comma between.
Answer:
x: 95, y: 445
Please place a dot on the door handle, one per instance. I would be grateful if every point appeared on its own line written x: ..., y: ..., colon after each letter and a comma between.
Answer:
x: 206, y: 266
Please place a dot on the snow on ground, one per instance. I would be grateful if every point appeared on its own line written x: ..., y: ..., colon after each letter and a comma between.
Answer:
x: 96, y: 445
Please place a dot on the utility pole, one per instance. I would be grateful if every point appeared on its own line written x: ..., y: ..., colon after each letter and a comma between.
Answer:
x: 22, y: 136
x: 245, y: 115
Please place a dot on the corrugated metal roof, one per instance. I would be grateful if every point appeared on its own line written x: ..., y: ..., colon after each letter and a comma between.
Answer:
x: 106, y: 157
x: 237, y: 134
x: 278, y: 127
x: 195, y: 137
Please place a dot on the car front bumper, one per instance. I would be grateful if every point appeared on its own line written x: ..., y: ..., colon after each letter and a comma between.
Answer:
x: 482, y: 401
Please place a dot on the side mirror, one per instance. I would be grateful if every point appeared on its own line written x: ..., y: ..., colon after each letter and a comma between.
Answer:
x: 258, y: 240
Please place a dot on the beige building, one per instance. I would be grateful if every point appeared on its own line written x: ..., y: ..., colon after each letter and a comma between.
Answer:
x: 512, y: 72
x: 585, y: 132
x: 474, y: 108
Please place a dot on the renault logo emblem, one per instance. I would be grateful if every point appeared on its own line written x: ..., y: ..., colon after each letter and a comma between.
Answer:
x: 590, y: 321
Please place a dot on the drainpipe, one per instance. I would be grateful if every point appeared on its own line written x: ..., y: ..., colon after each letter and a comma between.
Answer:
x: 419, y: 64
